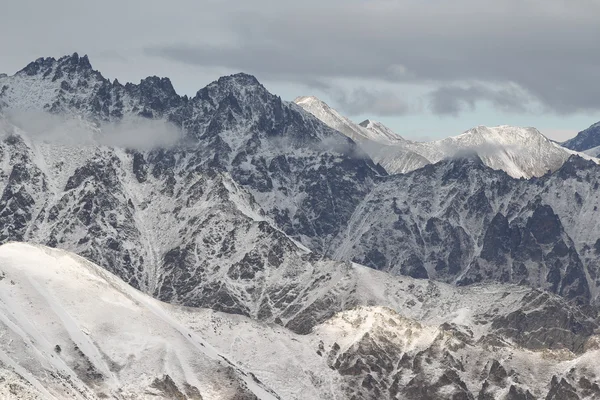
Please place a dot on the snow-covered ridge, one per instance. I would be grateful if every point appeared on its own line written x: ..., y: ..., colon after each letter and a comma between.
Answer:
x: 72, y: 330
x: 375, y: 132
x: 520, y: 152
x: 383, y: 146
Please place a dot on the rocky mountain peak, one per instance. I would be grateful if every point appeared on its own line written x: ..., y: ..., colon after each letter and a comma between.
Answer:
x: 300, y: 100
x: 156, y: 83
x: 235, y: 88
x: 585, y: 140
x: 239, y: 78
x: 72, y: 64
x: 462, y: 165
x: 575, y: 165
x: 156, y: 94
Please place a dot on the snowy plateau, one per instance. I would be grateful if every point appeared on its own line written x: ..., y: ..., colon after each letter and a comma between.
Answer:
x: 233, y: 245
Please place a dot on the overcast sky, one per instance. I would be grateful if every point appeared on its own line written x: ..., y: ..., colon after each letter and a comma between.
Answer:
x: 427, y: 69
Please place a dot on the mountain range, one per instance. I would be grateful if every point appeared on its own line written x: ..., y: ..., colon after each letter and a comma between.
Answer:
x: 259, y: 233
x: 520, y: 152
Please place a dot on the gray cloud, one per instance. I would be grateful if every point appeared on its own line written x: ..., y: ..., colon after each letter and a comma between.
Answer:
x: 547, y: 48
x: 133, y: 132
x: 373, y: 102
x: 454, y: 99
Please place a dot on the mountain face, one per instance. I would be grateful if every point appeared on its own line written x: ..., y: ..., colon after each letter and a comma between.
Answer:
x: 258, y: 214
x: 62, y: 318
x: 383, y: 146
x: 292, y: 163
x: 585, y: 140
x: 367, y: 131
x: 520, y: 152
x: 461, y: 222
x: 221, y: 219
x: 257, y: 184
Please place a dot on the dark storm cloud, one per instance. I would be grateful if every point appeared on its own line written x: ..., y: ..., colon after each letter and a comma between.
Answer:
x: 548, y: 49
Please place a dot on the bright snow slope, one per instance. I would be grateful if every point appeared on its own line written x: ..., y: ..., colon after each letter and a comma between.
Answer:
x: 72, y: 330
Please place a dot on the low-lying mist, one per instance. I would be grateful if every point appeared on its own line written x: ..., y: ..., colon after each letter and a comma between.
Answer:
x: 129, y: 132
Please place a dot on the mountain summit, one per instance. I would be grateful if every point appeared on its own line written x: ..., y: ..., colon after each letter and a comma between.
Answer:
x: 375, y: 132
x: 287, y: 245
x: 520, y: 152
x: 588, y: 139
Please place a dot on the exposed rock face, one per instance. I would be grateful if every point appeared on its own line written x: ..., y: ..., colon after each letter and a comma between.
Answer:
x: 585, y: 140
x: 461, y: 222
x: 261, y: 209
x: 456, y: 221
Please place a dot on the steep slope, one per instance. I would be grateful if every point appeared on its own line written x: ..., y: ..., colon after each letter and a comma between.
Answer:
x: 61, y: 319
x: 520, y: 152
x: 192, y: 237
x: 295, y: 166
x: 593, y: 152
x: 383, y: 146
x: 585, y: 140
x: 370, y: 132
x: 381, y: 131
x: 460, y: 221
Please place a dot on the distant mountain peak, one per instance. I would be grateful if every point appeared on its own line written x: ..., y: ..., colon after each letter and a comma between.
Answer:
x: 237, y: 85
x: 373, y: 132
x: 308, y: 100
x: 585, y: 140
x: 155, y: 84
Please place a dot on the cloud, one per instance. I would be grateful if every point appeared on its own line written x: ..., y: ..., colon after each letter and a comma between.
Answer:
x: 139, y: 133
x: 453, y: 99
x: 130, y: 132
x: 361, y: 101
x: 548, y: 48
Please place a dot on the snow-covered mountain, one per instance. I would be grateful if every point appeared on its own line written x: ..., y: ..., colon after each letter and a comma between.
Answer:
x: 460, y: 221
x: 382, y: 132
x: 257, y: 184
x: 71, y: 330
x: 256, y: 211
x: 520, y: 152
x: 367, y: 131
x: 585, y: 140
x: 593, y: 152
x: 383, y: 146
x: 65, y: 338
